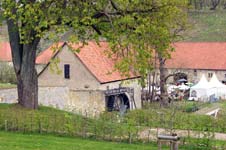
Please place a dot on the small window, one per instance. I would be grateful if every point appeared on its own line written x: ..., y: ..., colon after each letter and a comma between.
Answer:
x: 210, y: 75
x: 67, y: 71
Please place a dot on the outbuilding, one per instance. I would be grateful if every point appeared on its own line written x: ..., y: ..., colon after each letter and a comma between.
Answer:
x: 85, y: 81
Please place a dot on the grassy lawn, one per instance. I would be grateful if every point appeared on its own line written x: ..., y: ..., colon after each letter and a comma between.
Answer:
x: 16, y: 141
x: 7, y: 85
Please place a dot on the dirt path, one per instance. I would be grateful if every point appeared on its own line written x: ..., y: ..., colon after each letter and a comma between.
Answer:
x: 152, y: 134
x: 205, y: 110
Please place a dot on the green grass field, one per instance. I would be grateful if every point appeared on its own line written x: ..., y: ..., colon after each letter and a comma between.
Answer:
x: 16, y: 141
x: 19, y: 141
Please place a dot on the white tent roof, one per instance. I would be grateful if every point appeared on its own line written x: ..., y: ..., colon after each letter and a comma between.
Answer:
x: 202, y: 90
x: 214, y: 82
x: 202, y: 84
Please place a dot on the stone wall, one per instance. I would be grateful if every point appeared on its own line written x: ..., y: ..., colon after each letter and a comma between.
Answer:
x: 79, y: 101
x: 8, y: 95
x: 194, y: 75
x: 56, y: 97
x: 85, y: 102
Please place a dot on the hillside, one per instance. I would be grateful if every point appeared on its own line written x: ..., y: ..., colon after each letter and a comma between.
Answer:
x: 204, y: 25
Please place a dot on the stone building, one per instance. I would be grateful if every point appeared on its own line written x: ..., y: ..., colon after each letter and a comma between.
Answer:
x: 85, y: 82
x: 195, y: 59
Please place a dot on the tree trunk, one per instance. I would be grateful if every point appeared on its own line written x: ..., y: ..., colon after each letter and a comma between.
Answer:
x: 152, y: 87
x: 196, y: 4
x: 162, y: 70
x: 23, y: 56
x: 201, y: 2
x: 224, y: 5
x: 27, y: 85
x: 215, y: 3
x: 153, y: 92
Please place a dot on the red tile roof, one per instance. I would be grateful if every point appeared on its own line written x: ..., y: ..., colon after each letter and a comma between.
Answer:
x: 200, y: 55
x: 205, y: 55
x: 94, y: 58
x: 45, y: 56
x: 5, y: 51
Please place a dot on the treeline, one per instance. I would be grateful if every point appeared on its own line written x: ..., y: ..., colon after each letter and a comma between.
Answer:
x: 207, y: 4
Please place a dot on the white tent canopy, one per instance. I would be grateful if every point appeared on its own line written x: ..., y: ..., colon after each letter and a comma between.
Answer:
x: 214, y: 82
x: 219, y: 88
x: 202, y: 90
x: 203, y: 83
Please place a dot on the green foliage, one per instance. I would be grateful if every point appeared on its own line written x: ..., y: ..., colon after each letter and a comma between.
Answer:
x: 7, y: 74
x: 135, y: 36
x: 134, y: 29
x: 192, y: 107
x: 49, y: 19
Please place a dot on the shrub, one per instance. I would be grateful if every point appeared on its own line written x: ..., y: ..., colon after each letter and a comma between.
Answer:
x: 7, y: 74
x: 191, y: 108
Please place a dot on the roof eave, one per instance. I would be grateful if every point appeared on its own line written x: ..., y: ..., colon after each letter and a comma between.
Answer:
x: 120, y: 80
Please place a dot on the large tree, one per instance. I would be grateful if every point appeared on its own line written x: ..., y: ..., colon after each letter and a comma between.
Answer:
x: 134, y: 28
x: 145, y: 31
x: 30, y: 20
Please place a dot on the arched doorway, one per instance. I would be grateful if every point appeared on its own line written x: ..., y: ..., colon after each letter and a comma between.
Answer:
x: 179, y: 76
